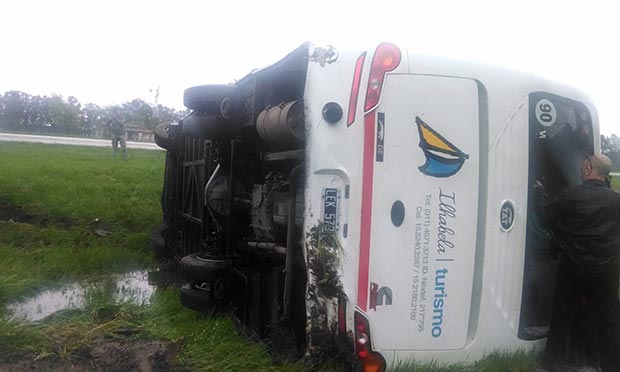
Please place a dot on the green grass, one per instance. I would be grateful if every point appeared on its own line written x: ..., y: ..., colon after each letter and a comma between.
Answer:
x: 496, y: 362
x: 211, y: 342
x: 59, y: 191
x: 83, y: 183
x: 615, y: 183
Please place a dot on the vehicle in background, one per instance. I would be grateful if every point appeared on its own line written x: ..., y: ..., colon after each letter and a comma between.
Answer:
x: 374, y: 202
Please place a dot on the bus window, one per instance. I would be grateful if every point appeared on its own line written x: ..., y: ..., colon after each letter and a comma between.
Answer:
x: 560, y: 138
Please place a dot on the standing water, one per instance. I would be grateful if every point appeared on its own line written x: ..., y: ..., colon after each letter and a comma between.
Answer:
x: 131, y: 287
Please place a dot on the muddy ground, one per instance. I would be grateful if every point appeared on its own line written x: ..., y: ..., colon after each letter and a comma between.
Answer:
x: 105, y: 354
x: 120, y: 351
x: 11, y: 213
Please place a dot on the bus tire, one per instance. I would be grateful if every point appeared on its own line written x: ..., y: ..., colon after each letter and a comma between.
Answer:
x: 210, y: 98
x: 200, y: 124
x: 204, y: 267
x: 197, y: 299
x: 162, y: 136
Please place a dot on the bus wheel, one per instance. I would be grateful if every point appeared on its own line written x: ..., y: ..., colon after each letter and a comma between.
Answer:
x: 204, y: 267
x: 201, y: 124
x: 162, y: 136
x: 214, y: 99
x: 202, y: 299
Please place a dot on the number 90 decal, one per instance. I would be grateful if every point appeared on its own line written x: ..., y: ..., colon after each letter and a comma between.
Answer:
x: 545, y: 113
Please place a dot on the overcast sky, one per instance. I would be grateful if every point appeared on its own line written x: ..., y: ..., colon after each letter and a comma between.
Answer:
x: 109, y: 52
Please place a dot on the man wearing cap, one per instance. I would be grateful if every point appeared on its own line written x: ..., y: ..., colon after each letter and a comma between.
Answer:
x: 585, y: 222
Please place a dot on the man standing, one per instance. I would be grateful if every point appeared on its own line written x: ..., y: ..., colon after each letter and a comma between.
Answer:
x: 585, y: 221
x: 117, y: 131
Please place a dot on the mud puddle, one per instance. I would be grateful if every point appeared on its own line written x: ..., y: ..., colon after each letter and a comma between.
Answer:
x: 114, y: 351
x: 133, y: 287
x: 109, y: 355
x: 16, y: 214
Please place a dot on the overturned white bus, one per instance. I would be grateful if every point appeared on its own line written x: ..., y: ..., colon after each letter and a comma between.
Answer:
x: 372, y: 201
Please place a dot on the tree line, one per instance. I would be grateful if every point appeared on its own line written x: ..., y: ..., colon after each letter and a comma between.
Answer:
x: 22, y: 112
x: 610, y: 146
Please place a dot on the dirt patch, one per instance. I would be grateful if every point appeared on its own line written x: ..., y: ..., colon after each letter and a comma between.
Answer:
x: 12, y: 213
x: 112, y: 355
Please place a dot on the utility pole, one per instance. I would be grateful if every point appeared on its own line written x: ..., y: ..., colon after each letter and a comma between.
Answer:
x: 156, y: 93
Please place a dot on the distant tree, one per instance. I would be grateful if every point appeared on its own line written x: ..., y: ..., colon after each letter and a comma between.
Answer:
x: 169, y: 114
x: 14, y: 109
x: 38, y: 118
x: 90, y: 116
x: 74, y: 108
x: 138, y: 113
x: 22, y: 112
x: 610, y: 146
x: 65, y: 116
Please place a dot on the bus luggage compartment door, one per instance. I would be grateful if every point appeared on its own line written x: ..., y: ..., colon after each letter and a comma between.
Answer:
x: 425, y: 213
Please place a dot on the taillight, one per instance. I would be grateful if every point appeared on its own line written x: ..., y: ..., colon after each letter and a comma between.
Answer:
x: 370, y: 361
x: 386, y: 59
x: 355, y: 88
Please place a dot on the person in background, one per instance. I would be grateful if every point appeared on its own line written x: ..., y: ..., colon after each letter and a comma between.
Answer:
x: 117, y: 131
x: 585, y: 223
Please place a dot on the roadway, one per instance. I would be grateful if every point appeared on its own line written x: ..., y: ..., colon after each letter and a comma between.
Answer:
x: 12, y: 137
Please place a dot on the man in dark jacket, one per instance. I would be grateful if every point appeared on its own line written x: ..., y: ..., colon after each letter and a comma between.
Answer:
x: 117, y: 131
x: 585, y: 221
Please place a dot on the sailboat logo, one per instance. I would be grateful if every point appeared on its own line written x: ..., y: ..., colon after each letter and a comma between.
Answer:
x: 443, y: 159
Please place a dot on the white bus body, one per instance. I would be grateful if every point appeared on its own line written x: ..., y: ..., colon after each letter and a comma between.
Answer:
x: 432, y: 181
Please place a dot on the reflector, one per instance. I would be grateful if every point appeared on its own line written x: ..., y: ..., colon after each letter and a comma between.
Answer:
x: 357, y: 77
x: 374, y: 363
x: 370, y: 361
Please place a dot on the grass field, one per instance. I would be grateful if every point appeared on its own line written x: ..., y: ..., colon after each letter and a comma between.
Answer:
x: 61, y: 195
x: 58, y: 192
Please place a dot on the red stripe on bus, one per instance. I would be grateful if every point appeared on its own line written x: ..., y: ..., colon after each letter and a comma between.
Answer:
x: 355, y: 88
x: 367, y: 184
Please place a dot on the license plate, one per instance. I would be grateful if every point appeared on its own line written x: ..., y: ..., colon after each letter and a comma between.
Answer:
x: 330, y: 210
